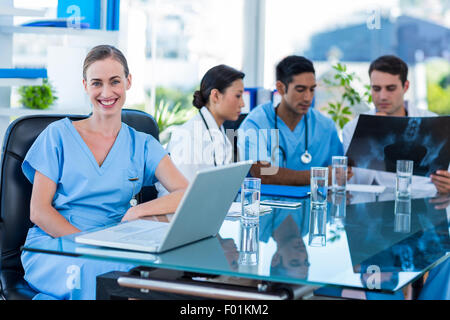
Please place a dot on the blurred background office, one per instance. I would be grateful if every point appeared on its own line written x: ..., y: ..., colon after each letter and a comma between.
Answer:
x: 170, y: 44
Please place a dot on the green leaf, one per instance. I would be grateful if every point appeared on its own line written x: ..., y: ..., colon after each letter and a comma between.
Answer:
x: 351, y: 100
x: 346, y: 110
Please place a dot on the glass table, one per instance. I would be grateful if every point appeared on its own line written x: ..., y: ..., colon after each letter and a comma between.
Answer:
x: 377, y: 245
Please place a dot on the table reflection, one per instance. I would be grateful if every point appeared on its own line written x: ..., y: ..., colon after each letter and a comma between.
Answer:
x: 230, y: 251
x: 402, y: 215
x: 317, y: 226
x: 380, y: 240
x: 291, y: 257
x: 338, y: 206
x: 377, y: 241
x: 248, y: 244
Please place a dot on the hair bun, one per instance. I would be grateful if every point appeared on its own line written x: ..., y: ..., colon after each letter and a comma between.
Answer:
x: 198, y: 101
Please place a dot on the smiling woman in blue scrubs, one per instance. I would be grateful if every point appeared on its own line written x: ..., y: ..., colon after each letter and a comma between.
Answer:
x: 290, y: 138
x: 86, y: 173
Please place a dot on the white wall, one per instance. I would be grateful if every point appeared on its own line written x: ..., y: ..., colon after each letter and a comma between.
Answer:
x: 65, y: 71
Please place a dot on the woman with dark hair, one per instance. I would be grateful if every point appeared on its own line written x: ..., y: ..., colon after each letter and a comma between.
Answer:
x: 201, y: 142
x: 85, y: 175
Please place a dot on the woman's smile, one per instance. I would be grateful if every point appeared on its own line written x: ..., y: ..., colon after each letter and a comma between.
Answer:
x: 107, y: 103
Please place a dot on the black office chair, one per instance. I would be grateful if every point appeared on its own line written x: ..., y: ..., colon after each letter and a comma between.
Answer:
x: 15, y: 193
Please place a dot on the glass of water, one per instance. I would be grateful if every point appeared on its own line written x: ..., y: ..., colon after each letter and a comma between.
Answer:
x: 404, y: 177
x: 339, y: 173
x: 319, y: 185
x: 250, y: 197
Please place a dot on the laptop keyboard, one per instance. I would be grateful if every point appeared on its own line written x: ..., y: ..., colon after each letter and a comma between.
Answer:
x: 148, y: 236
x: 125, y: 229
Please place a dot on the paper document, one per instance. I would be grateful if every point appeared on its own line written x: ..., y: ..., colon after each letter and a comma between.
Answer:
x: 365, y: 188
x: 235, y: 209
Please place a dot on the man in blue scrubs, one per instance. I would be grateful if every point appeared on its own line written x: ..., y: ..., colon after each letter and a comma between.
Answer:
x: 288, y: 139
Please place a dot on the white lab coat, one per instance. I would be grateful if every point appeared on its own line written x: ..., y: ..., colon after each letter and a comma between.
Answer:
x: 193, y: 147
x: 420, y: 186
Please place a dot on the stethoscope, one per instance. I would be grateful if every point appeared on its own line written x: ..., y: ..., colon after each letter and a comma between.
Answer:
x: 210, y: 136
x: 306, y: 156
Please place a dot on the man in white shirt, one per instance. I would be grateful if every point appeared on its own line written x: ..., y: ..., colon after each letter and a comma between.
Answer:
x: 388, y: 81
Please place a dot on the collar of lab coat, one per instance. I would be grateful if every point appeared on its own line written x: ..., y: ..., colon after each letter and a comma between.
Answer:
x: 224, y: 143
x: 212, y: 124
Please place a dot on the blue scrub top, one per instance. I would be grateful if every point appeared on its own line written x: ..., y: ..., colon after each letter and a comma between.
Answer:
x: 256, y: 140
x: 89, y: 195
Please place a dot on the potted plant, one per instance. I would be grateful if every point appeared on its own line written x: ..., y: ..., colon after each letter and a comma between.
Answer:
x: 341, y: 109
x: 37, y: 97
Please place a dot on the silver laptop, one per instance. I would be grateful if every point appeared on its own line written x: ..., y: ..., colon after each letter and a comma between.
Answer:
x: 199, y: 215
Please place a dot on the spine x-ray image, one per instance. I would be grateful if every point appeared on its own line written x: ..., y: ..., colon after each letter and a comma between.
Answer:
x: 379, y: 141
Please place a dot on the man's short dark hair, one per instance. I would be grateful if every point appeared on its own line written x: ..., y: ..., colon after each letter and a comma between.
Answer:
x: 392, y: 65
x: 292, y: 66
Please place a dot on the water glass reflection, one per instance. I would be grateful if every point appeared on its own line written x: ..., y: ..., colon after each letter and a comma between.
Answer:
x: 402, y: 222
x: 248, y: 244
x: 404, y: 178
x: 338, y: 207
x: 318, y: 226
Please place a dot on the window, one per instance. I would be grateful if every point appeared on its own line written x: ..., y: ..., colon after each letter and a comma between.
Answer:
x: 187, y: 37
x: 356, y: 33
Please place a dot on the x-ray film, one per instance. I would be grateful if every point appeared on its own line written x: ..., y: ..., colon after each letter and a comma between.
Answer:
x: 379, y: 141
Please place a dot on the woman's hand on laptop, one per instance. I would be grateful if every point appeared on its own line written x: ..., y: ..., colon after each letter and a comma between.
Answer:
x: 131, y: 214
